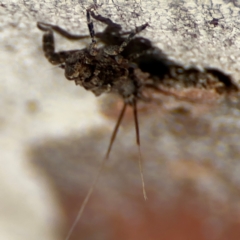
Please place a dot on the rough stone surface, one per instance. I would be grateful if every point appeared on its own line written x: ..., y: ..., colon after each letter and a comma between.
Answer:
x: 54, y: 134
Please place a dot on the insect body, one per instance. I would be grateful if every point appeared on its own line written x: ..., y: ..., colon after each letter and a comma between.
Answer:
x: 99, y: 70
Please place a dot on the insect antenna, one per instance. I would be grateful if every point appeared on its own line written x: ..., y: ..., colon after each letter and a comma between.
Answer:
x: 114, y: 134
x: 90, y: 191
x: 139, y: 147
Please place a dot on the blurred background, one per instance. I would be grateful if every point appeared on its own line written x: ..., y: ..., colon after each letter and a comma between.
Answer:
x: 53, y: 135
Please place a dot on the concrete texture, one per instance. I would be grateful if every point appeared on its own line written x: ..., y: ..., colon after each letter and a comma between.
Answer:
x: 54, y: 134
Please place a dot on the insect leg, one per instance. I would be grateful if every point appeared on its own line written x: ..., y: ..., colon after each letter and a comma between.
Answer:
x: 115, y: 49
x: 92, y: 48
x: 62, y: 32
x: 53, y: 57
x: 111, y: 26
x: 131, y: 35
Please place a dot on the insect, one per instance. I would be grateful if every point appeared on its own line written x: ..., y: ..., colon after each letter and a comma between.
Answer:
x: 114, y: 68
x: 100, y: 70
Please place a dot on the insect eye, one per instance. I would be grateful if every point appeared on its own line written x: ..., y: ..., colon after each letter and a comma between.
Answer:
x: 62, y: 66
